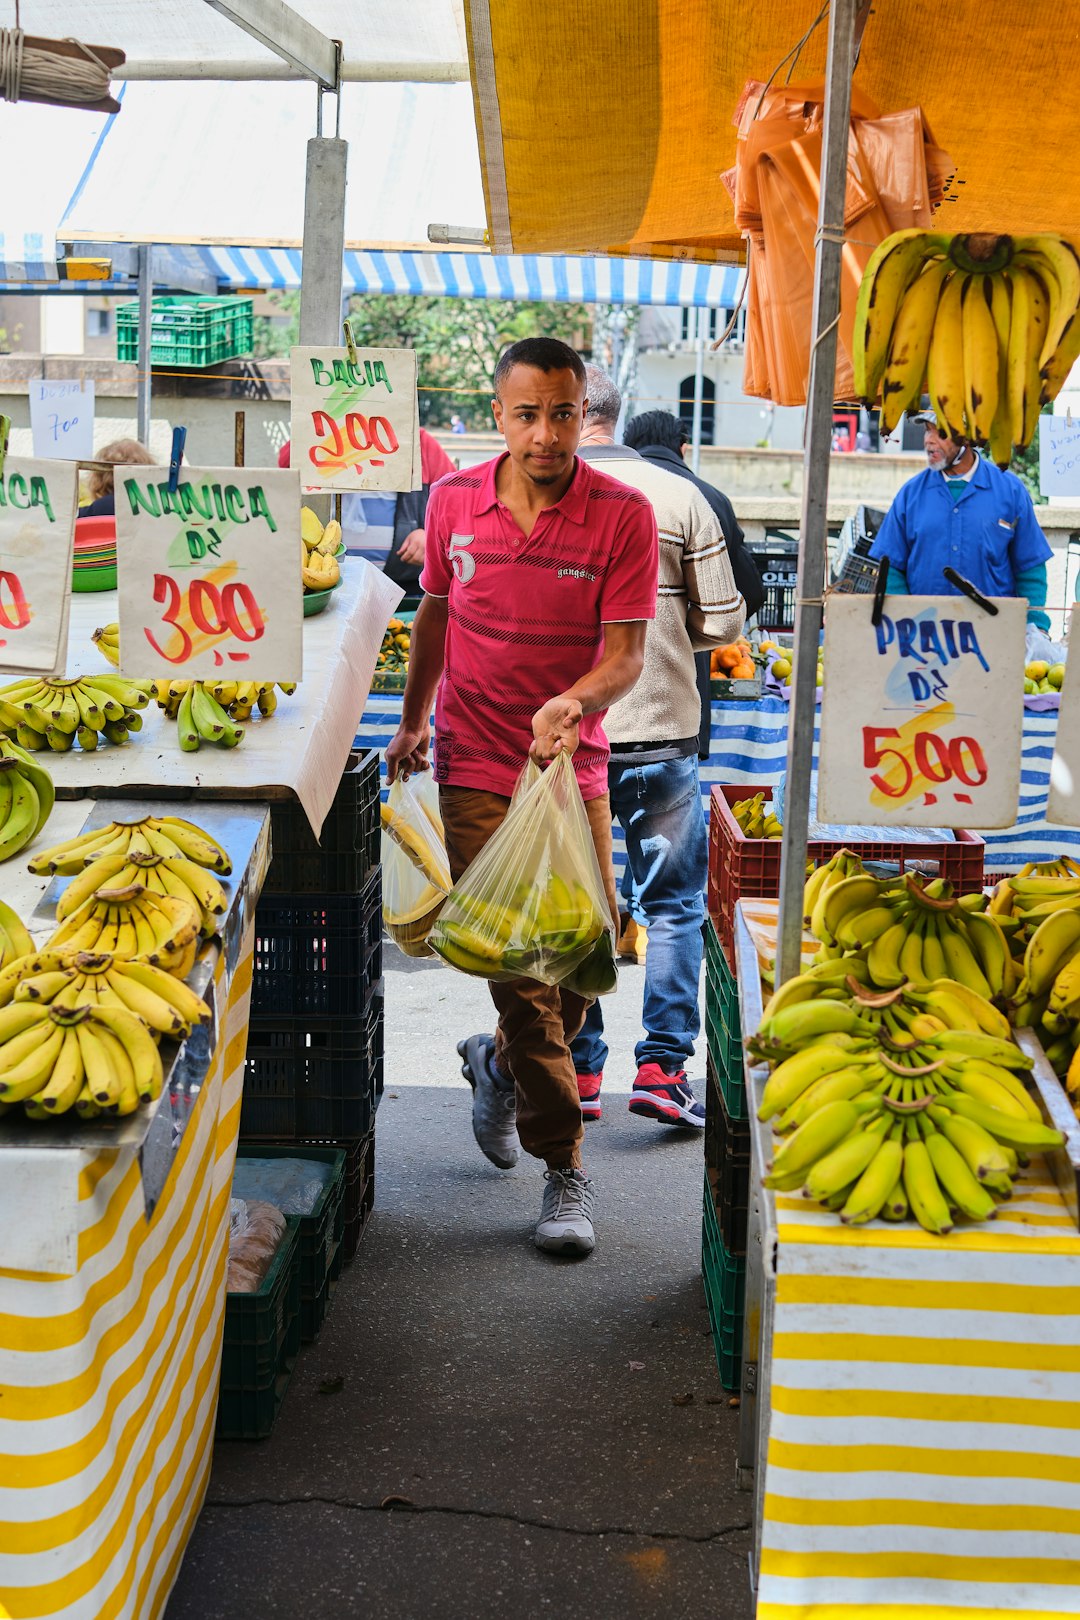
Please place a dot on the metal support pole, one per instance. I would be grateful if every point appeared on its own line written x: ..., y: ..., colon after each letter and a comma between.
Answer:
x: 143, y: 379
x: 323, y: 253
x: 818, y: 443
x: 699, y: 376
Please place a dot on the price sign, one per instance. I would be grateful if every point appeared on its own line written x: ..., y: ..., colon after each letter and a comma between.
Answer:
x: 355, y: 426
x: 37, y: 524
x: 922, y: 715
x: 1063, y: 807
x: 1059, y: 455
x: 209, y: 576
x: 62, y: 418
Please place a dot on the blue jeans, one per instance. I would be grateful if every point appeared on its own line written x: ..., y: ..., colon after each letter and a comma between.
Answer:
x: 660, y: 811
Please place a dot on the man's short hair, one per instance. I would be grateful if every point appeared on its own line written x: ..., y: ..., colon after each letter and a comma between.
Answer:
x: 655, y: 427
x: 543, y: 354
x: 605, y: 401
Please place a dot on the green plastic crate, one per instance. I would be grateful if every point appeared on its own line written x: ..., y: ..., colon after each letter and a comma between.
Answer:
x: 723, y: 1028
x: 188, y: 331
x: 260, y: 1345
x: 320, y: 1232
x: 724, y: 1276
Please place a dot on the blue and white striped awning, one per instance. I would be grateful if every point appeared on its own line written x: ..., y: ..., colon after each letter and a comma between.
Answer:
x: 519, y: 277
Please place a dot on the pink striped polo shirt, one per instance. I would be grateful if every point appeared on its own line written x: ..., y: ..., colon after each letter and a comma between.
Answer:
x: 526, y: 615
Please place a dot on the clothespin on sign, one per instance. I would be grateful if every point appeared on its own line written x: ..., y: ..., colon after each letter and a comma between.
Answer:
x: 879, y: 591
x: 179, y: 434
x: 350, y: 346
x: 969, y: 590
x: 5, y: 429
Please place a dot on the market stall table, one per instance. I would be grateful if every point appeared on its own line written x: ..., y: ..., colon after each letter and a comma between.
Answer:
x: 112, y: 1292
x: 300, y: 752
x: 911, y: 1403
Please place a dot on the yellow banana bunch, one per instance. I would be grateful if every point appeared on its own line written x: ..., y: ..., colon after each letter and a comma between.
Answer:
x: 26, y: 798
x: 559, y: 924
x: 94, y: 1059
x: 150, y: 835
x: 319, y: 550
x: 90, y: 979
x: 107, y: 642
x: 132, y: 921
x: 754, y: 820
x: 160, y: 874
x: 988, y: 325
x: 14, y: 939
x: 210, y: 711
x: 56, y: 714
x: 923, y: 1111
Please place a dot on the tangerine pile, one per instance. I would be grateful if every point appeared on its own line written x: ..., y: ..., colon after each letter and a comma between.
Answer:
x: 734, y: 662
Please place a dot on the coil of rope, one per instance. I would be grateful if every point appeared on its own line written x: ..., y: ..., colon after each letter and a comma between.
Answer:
x: 26, y: 71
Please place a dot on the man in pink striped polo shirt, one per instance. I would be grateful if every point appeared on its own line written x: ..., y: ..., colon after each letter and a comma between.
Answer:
x: 539, y: 576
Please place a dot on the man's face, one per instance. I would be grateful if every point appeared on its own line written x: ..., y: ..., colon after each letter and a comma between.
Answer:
x: 940, y: 449
x: 540, y: 415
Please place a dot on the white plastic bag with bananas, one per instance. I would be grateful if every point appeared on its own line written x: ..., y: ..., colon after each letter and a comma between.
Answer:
x: 415, y: 869
x: 532, y: 904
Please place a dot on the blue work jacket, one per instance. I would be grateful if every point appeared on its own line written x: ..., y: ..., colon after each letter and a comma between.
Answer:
x: 989, y: 535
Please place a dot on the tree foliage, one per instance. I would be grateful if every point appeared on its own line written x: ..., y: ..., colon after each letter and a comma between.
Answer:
x: 458, y: 342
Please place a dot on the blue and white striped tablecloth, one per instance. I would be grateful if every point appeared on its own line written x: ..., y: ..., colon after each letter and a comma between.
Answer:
x: 749, y: 748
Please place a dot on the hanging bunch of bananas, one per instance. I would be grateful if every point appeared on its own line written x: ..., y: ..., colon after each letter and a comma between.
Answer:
x: 212, y: 711
x: 755, y: 820
x: 907, y: 1103
x: 319, y: 551
x: 26, y: 798
x: 908, y: 929
x: 97, y: 1060
x: 107, y: 642
x: 988, y: 326
x: 133, y: 921
x: 174, y: 875
x: 150, y: 835
x: 57, y: 714
x: 14, y: 939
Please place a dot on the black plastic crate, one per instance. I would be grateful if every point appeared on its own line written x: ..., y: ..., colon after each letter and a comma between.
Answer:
x: 727, y: 1157
x: 347, y: 850
x: 317, y: 954
x: 260, y: 1344
x: 359, y: 1194
x: 314, y: 1079
x: 776, y: 559
x: 320, y: 1232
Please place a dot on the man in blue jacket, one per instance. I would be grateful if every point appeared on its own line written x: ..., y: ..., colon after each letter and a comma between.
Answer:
x: 964, y: 513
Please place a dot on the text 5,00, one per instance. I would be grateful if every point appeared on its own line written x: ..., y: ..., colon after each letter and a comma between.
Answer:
x: 212, y: 611
x: 929, y: 756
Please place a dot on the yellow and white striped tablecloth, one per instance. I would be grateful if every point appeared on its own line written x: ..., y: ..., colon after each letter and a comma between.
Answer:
x: 109, y: 1377
x: 924, y: 1446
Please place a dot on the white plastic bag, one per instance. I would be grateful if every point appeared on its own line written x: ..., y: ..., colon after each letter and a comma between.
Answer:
x: 415, y: 868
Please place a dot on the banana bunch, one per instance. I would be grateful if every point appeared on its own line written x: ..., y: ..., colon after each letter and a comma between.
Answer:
x: 97, y: 1060
x: 319, y: 549
x: 428, y: 855
x: 754, y: 820
x: 908, y: 930
x: 14, y: 939
x: 57, y: 714
x: 26, y: 798
x: 151, y: 835
x: 907, y: 1103
x: 133, y: 921
x: 174, y: 875
x: 107, y: 642
x: 988, y: 325
x: 74, y: 979
x: 212, y: 711
x: 536, y: 931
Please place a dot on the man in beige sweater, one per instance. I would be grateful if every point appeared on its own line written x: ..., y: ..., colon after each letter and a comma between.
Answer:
x: 653, y: 771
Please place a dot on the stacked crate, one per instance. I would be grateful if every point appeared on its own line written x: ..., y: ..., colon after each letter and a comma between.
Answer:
x: 313, y: 1075
x: 727, y: 1162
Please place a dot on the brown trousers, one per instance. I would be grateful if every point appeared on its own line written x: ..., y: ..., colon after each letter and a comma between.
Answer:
x: 537, y: 1021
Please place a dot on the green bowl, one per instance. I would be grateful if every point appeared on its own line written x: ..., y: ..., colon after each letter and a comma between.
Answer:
x: 318, y: 601
x: 94, y: 579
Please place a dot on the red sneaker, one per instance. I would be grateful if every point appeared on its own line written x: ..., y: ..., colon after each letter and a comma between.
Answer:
x: 666, y: 1098
x: 589, y: 1091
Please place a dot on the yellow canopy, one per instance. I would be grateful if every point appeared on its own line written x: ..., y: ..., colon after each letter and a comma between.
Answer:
x: 605, y: 125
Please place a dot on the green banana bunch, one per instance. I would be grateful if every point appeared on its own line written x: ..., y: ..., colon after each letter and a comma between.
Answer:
x: 26, y: 798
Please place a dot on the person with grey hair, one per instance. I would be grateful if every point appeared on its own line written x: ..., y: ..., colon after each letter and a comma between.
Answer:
x: 653, y: 778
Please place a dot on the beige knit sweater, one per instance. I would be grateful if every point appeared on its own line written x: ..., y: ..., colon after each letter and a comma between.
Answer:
x: 698, y: 605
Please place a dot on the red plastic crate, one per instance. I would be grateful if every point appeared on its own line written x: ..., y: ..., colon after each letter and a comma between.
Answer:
x: 749, y: 868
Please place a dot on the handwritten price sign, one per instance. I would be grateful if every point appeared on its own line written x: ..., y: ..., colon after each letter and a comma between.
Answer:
x: 355, y: 426
x: 37, y: 525
x: 1064, y: 803
x: 922, y: 715
x: 209, y: 576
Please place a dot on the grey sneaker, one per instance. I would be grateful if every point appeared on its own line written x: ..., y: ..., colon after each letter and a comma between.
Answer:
x: 565, y: 1225
x: 494, y: 1109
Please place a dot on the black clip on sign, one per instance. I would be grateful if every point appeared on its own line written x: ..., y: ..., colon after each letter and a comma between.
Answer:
x: 879, y: 592
x: 969, y: 590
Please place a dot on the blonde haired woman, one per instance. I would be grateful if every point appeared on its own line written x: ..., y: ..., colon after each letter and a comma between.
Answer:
x: 121, y: 452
